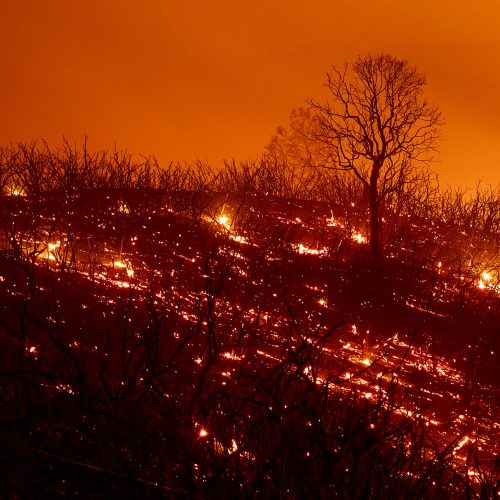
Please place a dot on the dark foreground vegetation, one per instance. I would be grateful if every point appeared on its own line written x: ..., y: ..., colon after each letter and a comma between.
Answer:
x: 184, y: 332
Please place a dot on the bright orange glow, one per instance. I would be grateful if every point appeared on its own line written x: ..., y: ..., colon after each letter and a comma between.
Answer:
x: 231, y: 355
x: 305, y: 250
x: 123, y: 208
x: 359, y: 238
x: 488, y: 281
x: 188, y: 93
x: 17, y: 192
x: 120, y: 264
x: 486, y: 276
x: 224, y: 221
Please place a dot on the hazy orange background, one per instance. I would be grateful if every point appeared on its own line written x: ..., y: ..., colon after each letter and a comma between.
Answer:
x: 213, y: 79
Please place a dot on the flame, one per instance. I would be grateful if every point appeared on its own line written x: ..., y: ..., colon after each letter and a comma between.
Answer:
x: 231, y: 355
x: 304, y: 250
x: 239, y: 239
x: 487, y: 280
x: 120, y: 264
x: 234, y: 446
x: 32, y: 349
x: 486, y: 276
x: 14, y: 191
x: 462, y: 443
x: 359, y: 238
x: 48, y: 253
x: 331, y: 221
x: 123, y: 208
x: 224, y: 221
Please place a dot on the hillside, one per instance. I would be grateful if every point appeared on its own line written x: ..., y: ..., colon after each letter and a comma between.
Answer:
x: 194, y: 343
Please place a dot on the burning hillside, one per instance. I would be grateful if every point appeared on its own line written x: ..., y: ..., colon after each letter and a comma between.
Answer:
x: 192, y: 342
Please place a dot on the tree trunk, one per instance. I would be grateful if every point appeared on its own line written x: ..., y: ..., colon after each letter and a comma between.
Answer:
x: 375, y: 229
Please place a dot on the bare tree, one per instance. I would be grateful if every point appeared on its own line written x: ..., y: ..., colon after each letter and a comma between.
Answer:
x: 377, y: 126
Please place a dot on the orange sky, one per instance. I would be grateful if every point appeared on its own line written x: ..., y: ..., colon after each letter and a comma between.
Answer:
x: 213, y: 79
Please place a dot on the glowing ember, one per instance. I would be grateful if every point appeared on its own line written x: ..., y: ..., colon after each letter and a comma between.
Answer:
x: 203, y: 433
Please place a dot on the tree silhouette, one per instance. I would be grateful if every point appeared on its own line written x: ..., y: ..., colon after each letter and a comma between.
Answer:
x: 377, y: 125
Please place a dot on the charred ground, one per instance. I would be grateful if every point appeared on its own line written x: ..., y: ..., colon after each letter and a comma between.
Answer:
x: 212, y: 338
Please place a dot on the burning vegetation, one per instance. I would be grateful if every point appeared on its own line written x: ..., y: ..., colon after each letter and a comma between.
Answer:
x: 181, y: 331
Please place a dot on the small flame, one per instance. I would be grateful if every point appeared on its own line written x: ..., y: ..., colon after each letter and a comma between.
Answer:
x: 32, y: 349
x: 304, y: 250
x: 234, y: 446
x: 359, y: 238
x: 486, y: 276
x: 231, y: 355
x: 331, y: 222
x: 239, y: 239
x: 123, y: 208
x: 49, y: 252
x: 53, y: 246
x: 224, y: 221
x: 120, y: 264
x: 462, y: 443
x: 14, y: 191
